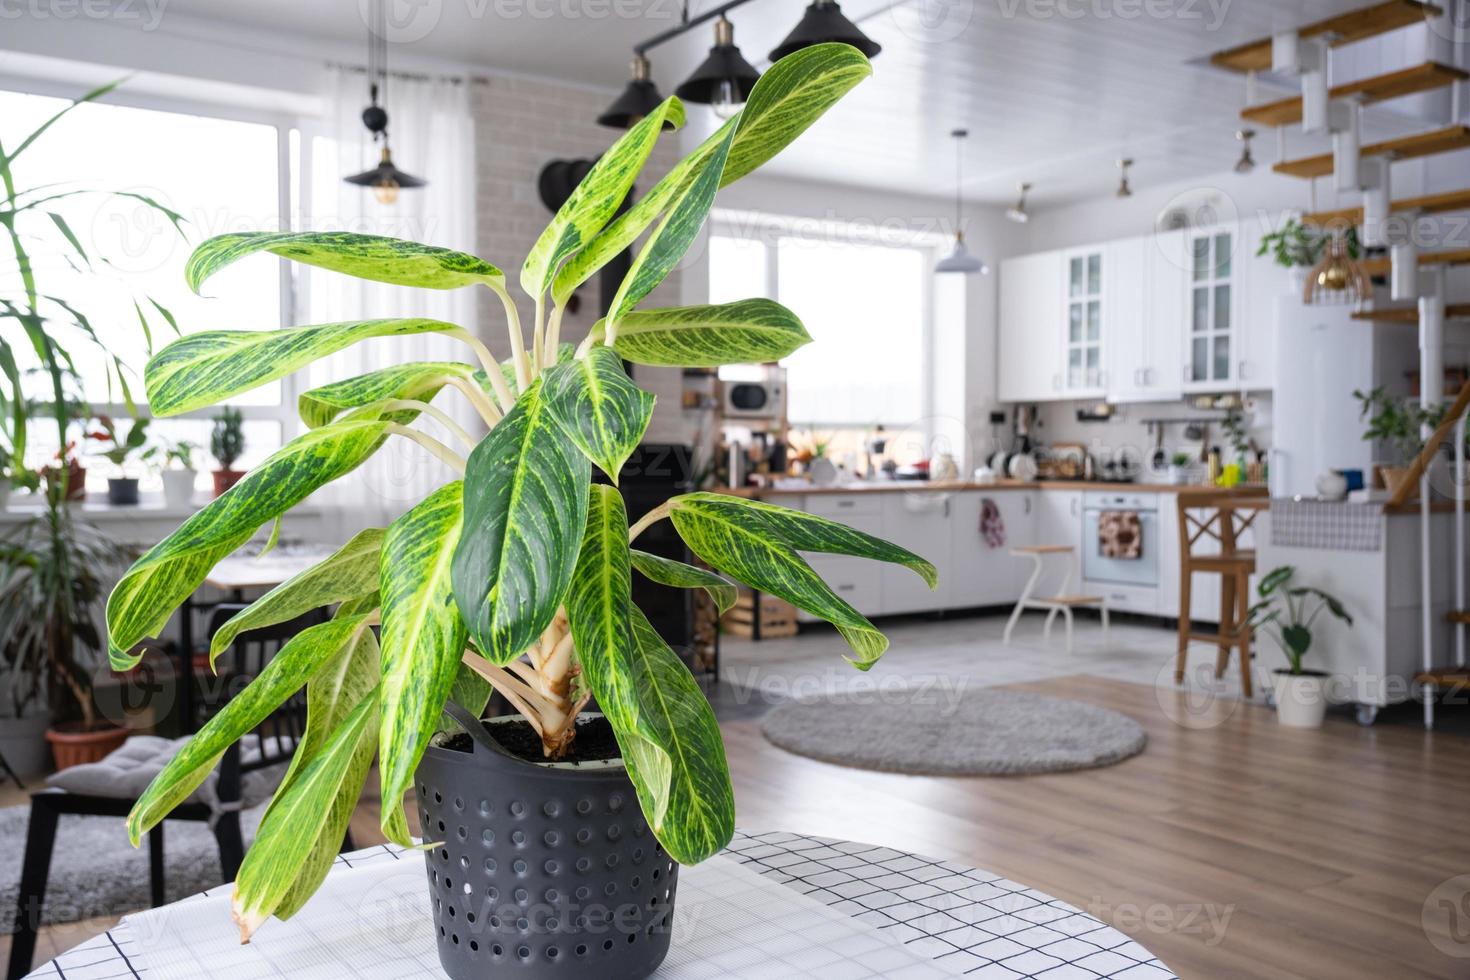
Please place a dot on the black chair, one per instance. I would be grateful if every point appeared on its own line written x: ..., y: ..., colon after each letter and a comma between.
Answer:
x: 277, y: 737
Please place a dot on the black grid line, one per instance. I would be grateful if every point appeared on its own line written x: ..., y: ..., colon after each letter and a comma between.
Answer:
x: 980, y: 924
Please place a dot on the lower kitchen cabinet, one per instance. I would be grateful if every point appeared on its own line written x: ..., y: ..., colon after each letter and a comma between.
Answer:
x: 982, y: 575
x: 924, y: 523
x: 1059, y: 521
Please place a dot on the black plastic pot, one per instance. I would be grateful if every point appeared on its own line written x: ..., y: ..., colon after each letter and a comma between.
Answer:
x: 542, y: 872
x: 122, y: 490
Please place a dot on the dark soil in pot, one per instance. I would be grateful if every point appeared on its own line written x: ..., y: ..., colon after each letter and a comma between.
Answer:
x: 542, y: 872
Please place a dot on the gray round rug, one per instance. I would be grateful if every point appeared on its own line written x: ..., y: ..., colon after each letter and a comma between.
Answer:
x: 986, y: 733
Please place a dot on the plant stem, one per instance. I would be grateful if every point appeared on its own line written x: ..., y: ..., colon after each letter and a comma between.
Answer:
x: 476, y: 396
x: 553, y: 335
x: 450, y: 458
x: 442, y: 417
x: 489, y: 363
x: 517, y: 338
x: 538, y: 337
x: 652, y: 517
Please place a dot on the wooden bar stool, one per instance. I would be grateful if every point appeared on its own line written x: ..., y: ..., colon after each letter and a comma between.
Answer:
x: 1059, y: 603
x: 1223, y: 519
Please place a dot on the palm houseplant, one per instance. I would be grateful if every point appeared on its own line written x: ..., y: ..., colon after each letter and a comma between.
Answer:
x: 513, y: 577
x: 1288, y: 612
x: 55, y: 567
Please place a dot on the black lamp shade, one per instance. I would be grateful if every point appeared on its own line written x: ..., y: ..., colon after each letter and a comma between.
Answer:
x: 824, y: 22
x: 725, y: 63
x: 385, y: 173
x: 639, y: 98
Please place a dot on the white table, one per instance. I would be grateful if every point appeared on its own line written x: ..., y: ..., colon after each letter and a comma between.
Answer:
x: 970, y: 920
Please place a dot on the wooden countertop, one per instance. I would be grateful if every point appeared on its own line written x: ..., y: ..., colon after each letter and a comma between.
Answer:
x: 951, y: 486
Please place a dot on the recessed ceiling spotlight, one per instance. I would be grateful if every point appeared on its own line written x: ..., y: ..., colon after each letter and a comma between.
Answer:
x: 1246, y: 163
x: 1123, y: 189
x: 1018, y: 212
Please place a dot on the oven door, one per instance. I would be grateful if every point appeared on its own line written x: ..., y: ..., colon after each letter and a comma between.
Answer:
x: 1143, y: 570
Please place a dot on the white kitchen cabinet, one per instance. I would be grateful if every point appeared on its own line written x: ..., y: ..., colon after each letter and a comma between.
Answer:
x: 1059, y: 521
x: 1029, y: 366
x: 857, y: 580
x: 1084, y: 308
x: 1212, y: 345
x: 982, y: 575
x: 1265, y: 283
x: 920, y: 521
x: 1205, y: 592
x: 1143, y: 317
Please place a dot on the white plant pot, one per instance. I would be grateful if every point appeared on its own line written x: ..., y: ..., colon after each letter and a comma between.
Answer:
x: 23, y: 741
x: 1301, y: 699
x: 1178, y: 475
x: 178, y: 487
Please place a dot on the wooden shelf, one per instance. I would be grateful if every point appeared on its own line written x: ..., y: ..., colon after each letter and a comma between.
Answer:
x: 1409, y: 315
x: 1429, y: 204
x: 1382, y: 266
x: 1420, y: 78
x: 1355, y: 25
x: 1456, y: 677
x: 1403, y: 148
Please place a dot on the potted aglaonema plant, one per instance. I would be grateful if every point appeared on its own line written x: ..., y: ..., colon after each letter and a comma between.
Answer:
x: 553, y: 839
x: 120, y: 451
x: 1288, y: 613
x: 227, y: 445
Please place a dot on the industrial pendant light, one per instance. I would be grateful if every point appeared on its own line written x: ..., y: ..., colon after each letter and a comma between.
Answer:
x: 960, y: 260
x: 725, y: 79
x: 385, y: 179
x: 824, y: 22
x: 1018, y: 213
x: 639, y: 98
x: 1123, y: 189
x: 1337, y: 278
x: 1246, y: 163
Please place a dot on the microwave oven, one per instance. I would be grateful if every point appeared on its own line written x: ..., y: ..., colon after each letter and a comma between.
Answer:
x: 754, y: 399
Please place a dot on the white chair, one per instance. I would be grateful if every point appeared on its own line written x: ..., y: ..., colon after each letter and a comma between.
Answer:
x: 1059, y: 603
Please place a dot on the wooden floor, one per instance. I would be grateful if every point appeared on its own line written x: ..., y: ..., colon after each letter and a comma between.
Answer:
x: 1233, y: 848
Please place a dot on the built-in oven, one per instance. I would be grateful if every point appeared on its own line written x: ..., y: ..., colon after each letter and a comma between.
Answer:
x: 1142, y: 571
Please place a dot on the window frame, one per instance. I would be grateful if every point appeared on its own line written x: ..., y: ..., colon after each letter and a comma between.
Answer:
x: 768, y: 229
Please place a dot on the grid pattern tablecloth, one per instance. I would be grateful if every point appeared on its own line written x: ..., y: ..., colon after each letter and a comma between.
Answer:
x: 981, y: 924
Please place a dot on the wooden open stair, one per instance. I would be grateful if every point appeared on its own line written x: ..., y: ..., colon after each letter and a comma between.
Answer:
x: 1355, y: 25
x: 1383, y: 265
x: 1410, y: 315
x: 1428, y: 204
x: 1445, y: 140
x: 1396, y: 84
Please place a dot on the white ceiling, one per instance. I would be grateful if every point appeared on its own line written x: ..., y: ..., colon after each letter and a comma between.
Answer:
x: 1053, y: 91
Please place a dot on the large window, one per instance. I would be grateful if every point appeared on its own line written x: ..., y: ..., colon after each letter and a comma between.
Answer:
x: 220, y: 174
x: 866, y: 303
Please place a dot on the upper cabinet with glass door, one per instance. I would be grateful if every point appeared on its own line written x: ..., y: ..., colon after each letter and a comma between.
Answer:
x: 1211, y: 346
x: 1083, y: 372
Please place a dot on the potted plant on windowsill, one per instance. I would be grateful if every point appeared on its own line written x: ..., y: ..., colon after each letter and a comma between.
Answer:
x: 227, y: 445
x: 119, y: 451
x: 175, y: 459
x: 1400, y: 422
x: 1288, y: 612
x: 515, y: 576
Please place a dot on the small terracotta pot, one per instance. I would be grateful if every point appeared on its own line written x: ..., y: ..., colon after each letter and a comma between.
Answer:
x: 1393, y: 477
x: 224, y: 479
x: 72, y: 744
x: 76, y: 479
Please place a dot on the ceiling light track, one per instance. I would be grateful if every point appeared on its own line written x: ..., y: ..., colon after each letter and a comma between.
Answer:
x: 724, y: 79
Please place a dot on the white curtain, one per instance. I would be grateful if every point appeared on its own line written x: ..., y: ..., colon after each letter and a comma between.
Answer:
x: 432, y: 134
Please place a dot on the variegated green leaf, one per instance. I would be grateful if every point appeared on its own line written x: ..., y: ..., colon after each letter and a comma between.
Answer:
x: 338, y: 687
x: 525, y: 502
x: 205, y: 368
x: 423, y: 636
x: 790, y: 96
x: 564, y: 352
x: 739, y: 542
x: 665, y: 728
x: 295, y: 664
x: 144, y: 599
x: 297, y: 819
x: 751, y: 331
x: 678, y: 575
x: 597, y: 197
x: 599, y: 407
x: 417, y: 381
x: 348, y: 573
x: 671, y: 237
x: 373, y: 257
x: 471, y: 692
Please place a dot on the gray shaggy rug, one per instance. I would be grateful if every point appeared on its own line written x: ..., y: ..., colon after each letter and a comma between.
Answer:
x: 985, y: 733
x: 96, y: 872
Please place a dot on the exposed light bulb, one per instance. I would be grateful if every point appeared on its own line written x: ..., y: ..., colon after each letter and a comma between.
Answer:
x: 726, y: 101
x: 386, y: 191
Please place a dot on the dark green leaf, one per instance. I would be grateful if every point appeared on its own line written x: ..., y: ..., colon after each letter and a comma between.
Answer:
x: 666, y: 571
x: 599, y: 407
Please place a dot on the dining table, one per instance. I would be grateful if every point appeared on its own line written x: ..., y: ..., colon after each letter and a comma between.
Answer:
x: 774, y: 904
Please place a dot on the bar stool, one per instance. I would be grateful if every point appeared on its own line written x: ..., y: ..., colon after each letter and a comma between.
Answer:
x: 1205, y: 517
x: 1059, y: 603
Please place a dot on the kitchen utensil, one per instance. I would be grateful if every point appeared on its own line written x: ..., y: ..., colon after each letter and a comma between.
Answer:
x: 1023, y: 467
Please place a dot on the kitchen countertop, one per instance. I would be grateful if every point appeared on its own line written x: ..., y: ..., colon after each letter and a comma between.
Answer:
x: 951, y: 486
